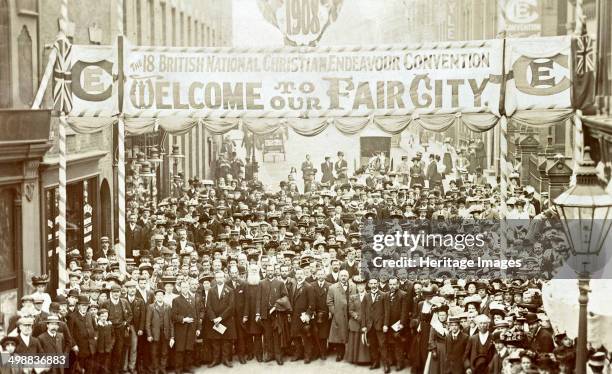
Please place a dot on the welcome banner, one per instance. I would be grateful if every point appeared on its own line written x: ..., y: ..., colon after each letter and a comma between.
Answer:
x: 333, y: 82
x: 308, y: 82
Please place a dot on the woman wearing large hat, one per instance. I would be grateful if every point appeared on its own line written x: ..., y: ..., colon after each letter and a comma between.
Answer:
x: 356, y: 351
x: 40, y: 283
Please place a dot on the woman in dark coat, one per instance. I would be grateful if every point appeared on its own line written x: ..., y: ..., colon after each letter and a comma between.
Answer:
x: 357, y: 351
x: 252, y: 312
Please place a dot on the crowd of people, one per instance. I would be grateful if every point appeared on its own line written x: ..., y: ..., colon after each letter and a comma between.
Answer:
x: 226, y: 270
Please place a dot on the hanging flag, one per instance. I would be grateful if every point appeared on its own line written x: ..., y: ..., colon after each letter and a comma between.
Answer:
x: 62, y: 77
x: 519, y: 18
x: 583, y: 89
x: 302, y: 22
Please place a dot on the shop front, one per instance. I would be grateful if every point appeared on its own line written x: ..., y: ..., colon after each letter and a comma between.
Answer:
x: 24, y: 141
x: 83, y: 210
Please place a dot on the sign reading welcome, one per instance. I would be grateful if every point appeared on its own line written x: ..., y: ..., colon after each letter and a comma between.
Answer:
x: 455, y: 77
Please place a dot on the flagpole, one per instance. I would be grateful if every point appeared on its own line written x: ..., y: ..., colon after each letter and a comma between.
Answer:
x: 63, y: 154
x: 121, y: 252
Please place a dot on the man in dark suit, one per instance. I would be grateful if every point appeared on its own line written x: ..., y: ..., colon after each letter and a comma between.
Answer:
x: 134, y: 236
x: 239, y: 287
x: 138, y: 309
x: 220, y: 311
x: 160, y: 331
x: 120, y: 316
x: 456, y: 342
x: 396, y: 310
x: 327, y: 171
x: 372, y: 324
x: 187, y: 327
x: 302, y: 302
x: 541, y: 339
x: 52, y: 342
x: 83, y: 329
x: 183, y: 244
x: 479, y: 349
x: 273, y: 297
x: 322, y: 321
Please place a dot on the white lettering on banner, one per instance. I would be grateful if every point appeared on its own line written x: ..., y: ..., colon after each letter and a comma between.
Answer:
x: 355, y: 82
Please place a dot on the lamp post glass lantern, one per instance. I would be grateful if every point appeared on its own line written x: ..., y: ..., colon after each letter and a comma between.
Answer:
x: 585, y: 210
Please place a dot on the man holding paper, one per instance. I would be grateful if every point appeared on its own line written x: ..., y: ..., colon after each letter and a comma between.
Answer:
x: 220, y: 310
x: 396, y: 317
x: 303, y: 302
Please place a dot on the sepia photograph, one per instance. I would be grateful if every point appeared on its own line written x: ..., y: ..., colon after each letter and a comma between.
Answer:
x: 306, y: 186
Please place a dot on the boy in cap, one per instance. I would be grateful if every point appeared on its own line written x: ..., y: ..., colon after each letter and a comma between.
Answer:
x: 105, y: 342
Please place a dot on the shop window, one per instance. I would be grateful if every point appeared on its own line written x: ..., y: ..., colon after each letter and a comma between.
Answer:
x: 8, y: 265
x: 5, y: 56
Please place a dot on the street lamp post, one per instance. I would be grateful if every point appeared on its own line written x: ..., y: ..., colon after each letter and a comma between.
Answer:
x: 586, y: 214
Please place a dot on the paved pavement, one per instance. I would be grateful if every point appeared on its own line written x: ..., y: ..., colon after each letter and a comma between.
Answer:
x: 320, y: 367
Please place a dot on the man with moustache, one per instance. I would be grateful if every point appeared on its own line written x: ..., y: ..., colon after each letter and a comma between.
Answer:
x: 160, y: 331
x: 251, y: 318
x: 239, y: 288
x: 120, y: 317
x: 219, y: 310
x: 139, y: 313
x: 83, y: 329
x: 302, y: 302
x: 456, y: 341
x: 322, y: 316
x: 187, y: 327
x: 274, y: 305
x: 337, y: 304
x: 372, y: 324
x: 52, y: 342
x: 396, y: 310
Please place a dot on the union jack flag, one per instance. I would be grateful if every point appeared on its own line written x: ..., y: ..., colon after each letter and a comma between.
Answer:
x: 585, y: 55
x: 62, y: 77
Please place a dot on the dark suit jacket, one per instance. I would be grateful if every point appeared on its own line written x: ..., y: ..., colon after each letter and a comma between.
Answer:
x: 221, y: 306
x: 139, y: 313
x: 432, y: 174
x: 455, y: 349
x: 328, y: 172
x: 321, y: 309
x: 477, y: 356
x: 373, y: 311
x: 158, y: 322
x: 55, y: 345
x: 83, y: 330
x: 185, y: 333
x: 148, y: 298
x: 239, y: 299
x: 542, y: 341
x: 106, y: 340
x: 271, y: 291
x: 134, y: 239
x: 396, y: 309
x: 302, y: 301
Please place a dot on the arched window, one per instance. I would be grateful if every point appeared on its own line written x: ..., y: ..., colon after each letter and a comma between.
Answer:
x: 5, y: 56
x: 26, y: 75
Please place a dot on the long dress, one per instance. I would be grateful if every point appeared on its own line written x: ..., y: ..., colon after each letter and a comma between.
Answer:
x: 420, y: 345
x: 356, y: 351
x: 437, y: 343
